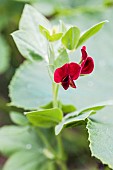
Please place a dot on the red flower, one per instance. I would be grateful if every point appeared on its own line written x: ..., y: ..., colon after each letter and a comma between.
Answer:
x: 66, y: 74
x: 87, y: 63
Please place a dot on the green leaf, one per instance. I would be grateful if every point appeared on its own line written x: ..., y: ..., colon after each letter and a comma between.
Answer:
x: 100, y: 130
x: 18, y: 118
x: 31, y: 19
x: 61, y: 59
x: 22, y: 160
x: 45, y: 118
x: 46, y: 33
x: 28, y: 89
x: 30, y: 44
x: 90, y: 32
x: 68, y: 108
x: 14, y: 138
x: 70, y: 122
x: 71, y: 38
x: 4, y: 55
x: 79, y: 116
x: 22, y: 144
x: 63, y: 27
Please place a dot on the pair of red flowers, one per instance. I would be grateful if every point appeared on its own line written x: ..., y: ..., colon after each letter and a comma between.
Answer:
x: 71, y: 71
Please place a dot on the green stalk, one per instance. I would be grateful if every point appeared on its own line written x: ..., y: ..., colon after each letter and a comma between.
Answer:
x: 55, y: 94
x: 60, y: 155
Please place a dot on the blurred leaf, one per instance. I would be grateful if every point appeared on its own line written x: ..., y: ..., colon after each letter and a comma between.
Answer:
x: 45, y: 118
x: 28, y: 89
x: 22, y: 144
x: 18, y: 118
x: 108, y: 3
x: 48, y: 36
x: 61, y: 59
x: 4, y: 55
x: 90, y: 32
x: 71, y: 38
x: 100, y: 130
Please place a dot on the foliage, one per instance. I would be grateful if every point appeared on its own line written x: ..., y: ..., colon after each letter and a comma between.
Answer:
x: 46, y: 48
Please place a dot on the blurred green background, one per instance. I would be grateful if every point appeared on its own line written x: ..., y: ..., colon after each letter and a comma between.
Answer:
x: 95, y: 88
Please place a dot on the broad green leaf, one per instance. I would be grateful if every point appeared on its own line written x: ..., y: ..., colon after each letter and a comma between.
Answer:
x: 18, y: 118
x: 31, y: 19
x: 30, y: 86
x: 48, y: 36
x: 14, y: 139
x: 22, y: 144
x: 70, y: 122
x: 45, y: 118
x: 4, y: 55
x: 22, y: 160
x: 61, y: 59
x: 90, y: 32
x: 79, y: 116
x: 30, y: 44
x: 71, y: 38
x: 100, y: 130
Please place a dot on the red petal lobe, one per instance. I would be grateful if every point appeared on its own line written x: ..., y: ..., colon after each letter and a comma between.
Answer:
x: 61, y: 73
x: 87, y: 66
x: 74, y: 70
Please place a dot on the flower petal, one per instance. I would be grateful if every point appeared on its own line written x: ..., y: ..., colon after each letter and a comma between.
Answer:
x: 84, y: 53
x: 65, y: 83
x: 61, y: 73
x: 71, y: 83
x: 74, y: 70
x: 87, y: 66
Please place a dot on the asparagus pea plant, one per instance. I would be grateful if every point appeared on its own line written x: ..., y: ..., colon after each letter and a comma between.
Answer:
x: 37, y: 88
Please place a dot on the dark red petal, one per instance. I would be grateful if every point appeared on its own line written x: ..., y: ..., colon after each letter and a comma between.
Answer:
x: 61, y: 73
x: 87, y: 66
x: 74, y: 70
x: 65, y: 83
x: 84, y: 53
x: 84, y: 48
x: 71, y: 83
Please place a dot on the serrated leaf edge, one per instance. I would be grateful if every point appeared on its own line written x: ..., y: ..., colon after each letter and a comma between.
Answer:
x: 90, y: 145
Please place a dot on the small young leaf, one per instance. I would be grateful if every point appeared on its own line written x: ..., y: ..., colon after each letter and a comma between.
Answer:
x: 46, y: 33
x: 90, y: 32
x: 45, y: 118
x: 63, y: 27
x: 68, y: 108
x: 18, y: 118
x: 71, y: 38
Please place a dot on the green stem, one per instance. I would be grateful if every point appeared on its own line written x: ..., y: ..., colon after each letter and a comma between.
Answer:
x: 62, y: 165
x: 60, y: 156
x: 44, y: 139
x: 55, y: 94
